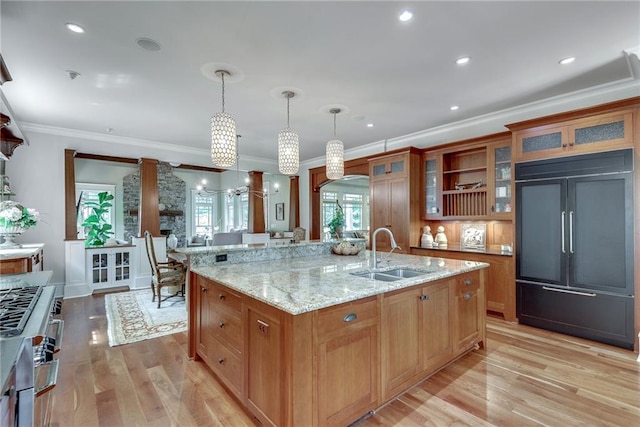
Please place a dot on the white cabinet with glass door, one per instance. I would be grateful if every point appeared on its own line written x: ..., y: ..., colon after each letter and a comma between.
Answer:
x: 109, y: 267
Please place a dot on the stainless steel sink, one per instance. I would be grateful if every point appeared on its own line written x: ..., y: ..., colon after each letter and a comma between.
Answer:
x: 390, y: 275
x: 404, y: 273
x: 377, y: 276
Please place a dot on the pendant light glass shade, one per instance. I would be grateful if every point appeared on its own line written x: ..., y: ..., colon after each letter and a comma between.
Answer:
x: 223, y: 134
x: 335, y: 153
x: 288, y: 145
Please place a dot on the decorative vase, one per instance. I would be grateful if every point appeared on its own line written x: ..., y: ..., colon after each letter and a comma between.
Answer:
x: 172, y: 241
x: 9, y: 234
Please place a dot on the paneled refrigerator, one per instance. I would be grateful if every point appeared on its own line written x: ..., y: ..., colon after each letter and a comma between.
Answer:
x: 574, y: 246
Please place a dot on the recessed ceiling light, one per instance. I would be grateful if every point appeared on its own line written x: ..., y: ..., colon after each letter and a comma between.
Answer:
x: 453, y: 108
x: 75, y: 28
x: 148, y: 44
x: 405, y: 16
x: 369, y: 125
x: 566, y: 61
x: 463, y: 60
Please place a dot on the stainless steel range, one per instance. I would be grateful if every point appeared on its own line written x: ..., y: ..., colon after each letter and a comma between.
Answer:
x: 29, y: 338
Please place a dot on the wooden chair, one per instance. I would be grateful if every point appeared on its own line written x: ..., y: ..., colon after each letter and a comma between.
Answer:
x: 164, y: 274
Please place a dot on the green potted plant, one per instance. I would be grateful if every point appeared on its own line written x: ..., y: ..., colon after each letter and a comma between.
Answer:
x: 336, y: 225
x: 99, y: 229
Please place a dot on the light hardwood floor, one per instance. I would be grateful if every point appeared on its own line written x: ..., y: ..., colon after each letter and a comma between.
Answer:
x: 523, y: 377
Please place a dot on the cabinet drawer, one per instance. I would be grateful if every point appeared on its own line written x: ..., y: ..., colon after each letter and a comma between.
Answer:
x: 226, y: 326
x: 352, y: 315
x: 226, y: 363
x: 224, y: 298
x: 467, y: 283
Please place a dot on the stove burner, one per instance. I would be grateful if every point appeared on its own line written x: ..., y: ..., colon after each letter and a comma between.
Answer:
x: 16, y: 305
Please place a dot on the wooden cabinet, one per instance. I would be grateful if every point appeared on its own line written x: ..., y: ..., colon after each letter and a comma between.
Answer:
x: 470, y: 179
x: 602, y: 132
x: 416, y: 334
x: 500, y: 181
x: 327, y: 367
x: 347, y: 361
x: 395, y: 198
x: 219, y: 332
x: 109, y: 267
x: 25, y: 259
x: 500, y: 285
x: 432, y: 185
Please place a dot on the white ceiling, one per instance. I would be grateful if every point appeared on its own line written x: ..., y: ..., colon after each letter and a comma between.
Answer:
x: 357, y: 55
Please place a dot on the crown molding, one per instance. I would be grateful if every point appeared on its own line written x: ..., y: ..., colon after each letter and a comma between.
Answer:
x: 495, y: 122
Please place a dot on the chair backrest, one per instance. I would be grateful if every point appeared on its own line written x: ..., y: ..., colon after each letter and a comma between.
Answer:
x: 227, y: 239
x: 151, y: 253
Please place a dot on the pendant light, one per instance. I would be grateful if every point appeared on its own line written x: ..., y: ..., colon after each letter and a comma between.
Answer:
x: 335, y: 152
x: 288, y: 145
x: 223, y: 133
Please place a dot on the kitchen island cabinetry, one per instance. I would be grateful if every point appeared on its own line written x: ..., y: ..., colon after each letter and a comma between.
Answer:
x: 326, y: 363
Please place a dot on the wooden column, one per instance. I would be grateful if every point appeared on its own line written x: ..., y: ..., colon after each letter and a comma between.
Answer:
x: 256, y: 205
x: 70, y: 214
x: 294, y: 202
x: 148, y: 213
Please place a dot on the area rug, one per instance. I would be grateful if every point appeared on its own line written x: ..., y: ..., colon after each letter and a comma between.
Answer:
x: 132, y: 317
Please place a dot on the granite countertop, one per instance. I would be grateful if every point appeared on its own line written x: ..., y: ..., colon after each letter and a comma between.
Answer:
x: 303, y: 284
x: 454, y: 247
x: 22, y: 252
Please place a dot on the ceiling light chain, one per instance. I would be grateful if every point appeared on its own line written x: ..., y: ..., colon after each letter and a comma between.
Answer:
x: 223, y: 134
x: 335, y: 152
x: 288, y: 145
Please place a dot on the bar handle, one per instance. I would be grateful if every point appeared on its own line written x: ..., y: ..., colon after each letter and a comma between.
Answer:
x: 566, y: 291
x: 562, y: 230
x: 571, y: 231
x: 52, y: 378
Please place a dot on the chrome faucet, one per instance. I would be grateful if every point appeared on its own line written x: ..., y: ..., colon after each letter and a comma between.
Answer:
x: 394, y: 245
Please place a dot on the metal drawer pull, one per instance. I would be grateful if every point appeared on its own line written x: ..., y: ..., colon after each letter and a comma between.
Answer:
x: 468, y: 295
x: 468, y: 282
x: 566, y: 291
x: 424, y: 297
x: 221, y: 324
x: 221, y: 297
x: 350, y: 317
x: 52, y: 378
x: 221, y: 361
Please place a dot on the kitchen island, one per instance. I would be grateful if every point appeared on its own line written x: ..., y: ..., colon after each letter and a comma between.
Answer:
x: 302, y: 341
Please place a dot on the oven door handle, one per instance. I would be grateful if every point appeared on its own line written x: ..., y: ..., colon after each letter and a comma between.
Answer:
x: 52, y: 378
x: 59, y: 331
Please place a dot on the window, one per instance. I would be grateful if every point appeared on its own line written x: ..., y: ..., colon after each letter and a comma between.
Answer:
x: 205, y: 218
x: 354, y: 205
x: 89, y: 193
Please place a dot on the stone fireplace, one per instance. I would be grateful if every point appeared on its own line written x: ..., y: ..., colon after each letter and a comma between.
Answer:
x: 172, y: 194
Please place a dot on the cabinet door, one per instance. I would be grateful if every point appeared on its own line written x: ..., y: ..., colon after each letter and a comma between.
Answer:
x: 601, y: 233
x: 265, y: 365
x: 433, y: 187
x: 390, y: 209
x: 467, y: 323
x: 606, y: 132
x: 540, y: 231
x: 500, y: 203
x: 203, y: 324
x: 98, y: 269
x: 437, y: 320
x: 544, y: 142
x: 121, y: 266
x: 394, y: 166
x: 401, y: 330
